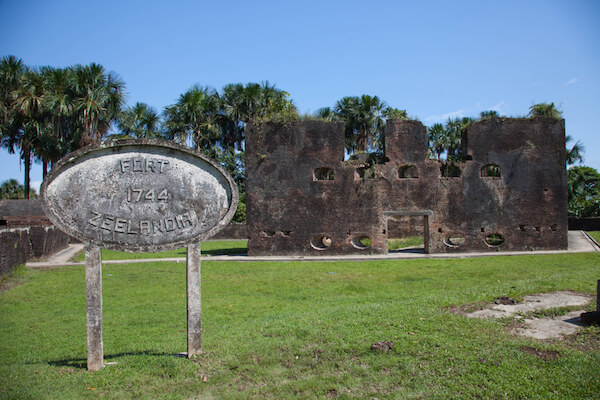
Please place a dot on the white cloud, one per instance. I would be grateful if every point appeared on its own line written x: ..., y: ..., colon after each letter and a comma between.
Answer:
x: 498, y: 107
x: 444, y: 117
x: 571, y: 81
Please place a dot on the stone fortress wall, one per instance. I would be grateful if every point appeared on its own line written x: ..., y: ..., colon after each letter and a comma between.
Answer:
x: 26, y: 233
x: 304, y: 199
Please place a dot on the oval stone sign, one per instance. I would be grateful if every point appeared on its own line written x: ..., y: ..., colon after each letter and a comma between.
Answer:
x: 139, y: 195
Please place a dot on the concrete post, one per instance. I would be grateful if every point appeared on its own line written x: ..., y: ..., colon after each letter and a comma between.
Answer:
x: 93, y: 297
x: 194, y: 309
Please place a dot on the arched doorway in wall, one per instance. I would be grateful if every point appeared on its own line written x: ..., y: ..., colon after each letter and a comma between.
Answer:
x: 407, y: 231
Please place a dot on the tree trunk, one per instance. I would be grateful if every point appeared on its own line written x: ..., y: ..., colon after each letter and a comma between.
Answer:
x: 44, y: 168
x: 27, y: 164
x: 361, y: 143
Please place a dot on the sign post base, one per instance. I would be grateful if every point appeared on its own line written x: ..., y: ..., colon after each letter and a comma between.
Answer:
x: 93, y: 302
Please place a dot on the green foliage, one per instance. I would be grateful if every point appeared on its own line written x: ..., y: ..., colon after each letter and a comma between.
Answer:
x: 364, y: 120
x: 583, y: 188
x: 12, y: 189
x: 48, y: 112
x: 489, y: 114
x: 297, y: 330
x: 140, y: 121
x: 545, y: 110
x: 445, y: 141
x: 240, y: 213
x: 575, y: 153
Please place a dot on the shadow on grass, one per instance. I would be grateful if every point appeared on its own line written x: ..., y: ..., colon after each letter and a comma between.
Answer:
x: 411, y: 250
x: 82, y: 362
x: 224, y: 252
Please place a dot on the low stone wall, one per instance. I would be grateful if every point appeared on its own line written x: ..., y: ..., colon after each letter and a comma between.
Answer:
x: 584, y: 224
x: 18, y: 245
x: 15, y: 249
x: 232, y: 232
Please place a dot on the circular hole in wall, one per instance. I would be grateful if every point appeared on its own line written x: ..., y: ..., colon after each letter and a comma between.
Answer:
x: 454, y: 241
x: 320, y: 242
x: 361, y: 242
x: 495, y: 239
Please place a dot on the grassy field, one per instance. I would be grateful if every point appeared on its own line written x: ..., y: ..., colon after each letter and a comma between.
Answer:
x: 595, y: 235
x: 395, y: 244
x: 298, y: 330
x: 214, y: 248
x: 211, y: 248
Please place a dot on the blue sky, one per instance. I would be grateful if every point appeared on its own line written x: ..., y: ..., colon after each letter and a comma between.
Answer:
x: 436, y: 59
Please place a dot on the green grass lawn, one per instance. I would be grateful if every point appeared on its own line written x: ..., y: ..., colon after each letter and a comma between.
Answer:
x: 395, y: 244
x: 223, y: 248
x: 294, y: 330
x: 212, y: 248
x: 595, y: 235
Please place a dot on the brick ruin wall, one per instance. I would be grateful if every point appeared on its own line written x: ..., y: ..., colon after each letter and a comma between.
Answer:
x: 304, y: 199
x: 25, y: 233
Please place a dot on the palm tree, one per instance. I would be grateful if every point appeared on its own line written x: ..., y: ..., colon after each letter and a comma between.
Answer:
x: 545, y: 110
x: 140, y: 121
x: 363, y: 120
x: 58, y: 102
x: 196, y: 118
x: 575, y: 153
x: 326, y: 114
x: 11, y: 70
x: 11, y: 189
x: 273, y: 103
x: 237, y: 106
x: 253, y: 101
x: 583, y: 188
x: 436, y: 136
x: 29, y: 123
x: 98, y: 100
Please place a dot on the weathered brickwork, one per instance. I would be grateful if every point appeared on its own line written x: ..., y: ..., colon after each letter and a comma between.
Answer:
x: 304, y: 199
x: 25, y: 232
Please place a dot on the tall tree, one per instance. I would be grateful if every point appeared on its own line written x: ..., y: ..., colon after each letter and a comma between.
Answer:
x: 583, y: 188
x: 435, y: 136
x: 59, y: 103
x: 140, y: 121
x: 253, y: 101
x: 27, y: 122
x: 363, y: 120
x: 575, y: 152
x: 196, y: 118
x: 11, y: 121
x: 99, y: 97
x: 12, y: 189
x: 326, y: 114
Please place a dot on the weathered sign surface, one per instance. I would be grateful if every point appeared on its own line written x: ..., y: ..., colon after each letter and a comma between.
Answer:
x: 139, y: 195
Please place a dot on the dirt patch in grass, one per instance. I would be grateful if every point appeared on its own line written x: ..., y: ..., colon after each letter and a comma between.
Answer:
x: 546, y: 355
x: 586, y: 340
x: 12, y: 279
x: 464, y: 309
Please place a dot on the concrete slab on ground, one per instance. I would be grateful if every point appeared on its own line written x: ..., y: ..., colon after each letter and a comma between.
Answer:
x: 534, y: 302
x: 548, y: 328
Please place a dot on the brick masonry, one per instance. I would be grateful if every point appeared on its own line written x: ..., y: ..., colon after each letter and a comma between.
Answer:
x: 304, y: 199
x: 25, y: 233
